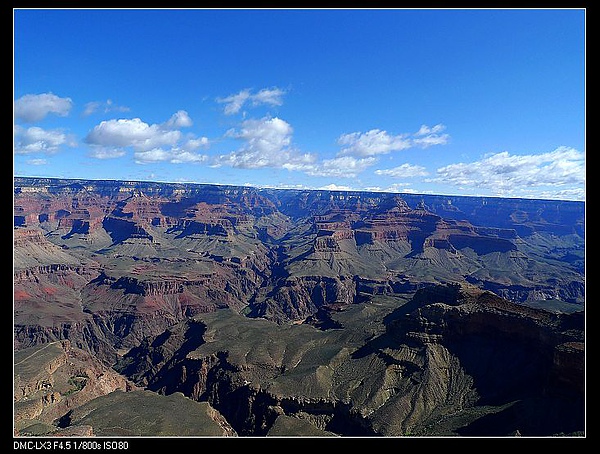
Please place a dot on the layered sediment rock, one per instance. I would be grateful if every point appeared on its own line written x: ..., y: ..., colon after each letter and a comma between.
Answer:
x: 117, y: 267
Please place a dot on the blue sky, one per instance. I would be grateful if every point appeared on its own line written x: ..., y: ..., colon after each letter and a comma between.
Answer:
x: 446, y: 101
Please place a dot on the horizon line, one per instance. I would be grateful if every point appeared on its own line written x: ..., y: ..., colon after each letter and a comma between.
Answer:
x: 314, y: 189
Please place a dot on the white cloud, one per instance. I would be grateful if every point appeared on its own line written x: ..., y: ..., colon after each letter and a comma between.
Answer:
x: 91, y: 107
x: 150, y: 143
x: 400, y: 187
x: 268, y: 96
x: 267, y: 144
x: 182, y: 157
x: 507, y: 174
x: 196, y: 143
x: 360, y: 151
x: 32, y: 108
x: 234, y: 103
x: 404, y: 171
x: 38, y: 140
x: 132, y: 133
x: 304, y: 162
x: 336, y: 187
x: 37, y: 162
x: 425, y: 130
x: 430, y: 140
x: 342, y: 166
x: 265, y: 134
x: 564, y: 194
x: 104, y: 106
x: 157, y: 138
x: 174, y: 156
x: 120, y: 133
x: 106, y: 153
x: 179, y: 119
x: 377, y: 142
x: 371, y: 143
x: 154, y: 155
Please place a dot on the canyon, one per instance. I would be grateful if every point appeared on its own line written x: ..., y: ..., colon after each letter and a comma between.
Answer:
x: 245, y: 311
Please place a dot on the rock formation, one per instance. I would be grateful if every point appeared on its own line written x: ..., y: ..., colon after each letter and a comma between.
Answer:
x: 325, y: 312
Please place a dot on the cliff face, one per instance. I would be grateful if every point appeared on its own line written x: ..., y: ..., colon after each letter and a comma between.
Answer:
x: 457, y: 318
x: 53, y: 379
x: 446, y: 362
x: 111, y: 266
x: 172, y: 250
x: 63, y: 391
x: 300, y: 297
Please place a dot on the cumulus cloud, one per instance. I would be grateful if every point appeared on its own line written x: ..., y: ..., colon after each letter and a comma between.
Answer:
x: 267, y: 143
x: 403, y: 188
x: 154, y: 155
x: 377, y: 142
x: 404, y: 171
x: 196, y: 143
x: 131, y: 133
x: 162, y: 142
x: 139, y: 134
x: 360, y: 150
x: 179, y: 119
x: 265, y: 134
x: 32, y: 108
x: 395, y: 188
x: 38, y: 140
x: 174, y: 156
x: 426, y: 137
x: 102, y: 106
x: 371, y: 143
x: 234, y: 103
x: 563, y: 194
x: 505, y: 174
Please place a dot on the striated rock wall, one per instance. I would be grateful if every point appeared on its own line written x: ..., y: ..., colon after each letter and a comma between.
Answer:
x: 300, y: 297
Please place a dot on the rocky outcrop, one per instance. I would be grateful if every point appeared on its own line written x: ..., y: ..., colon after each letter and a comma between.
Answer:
x: 300, y: 297
x: 147, y: 414
x: 52, y: 379
x: 570, y: 292
x: 64, y: 392
x: 32, y: 249
x: 394, y: 221
x: 448, y: 361
x: 524, y: 216
x: 490, y: 336
x: 121, y: 230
